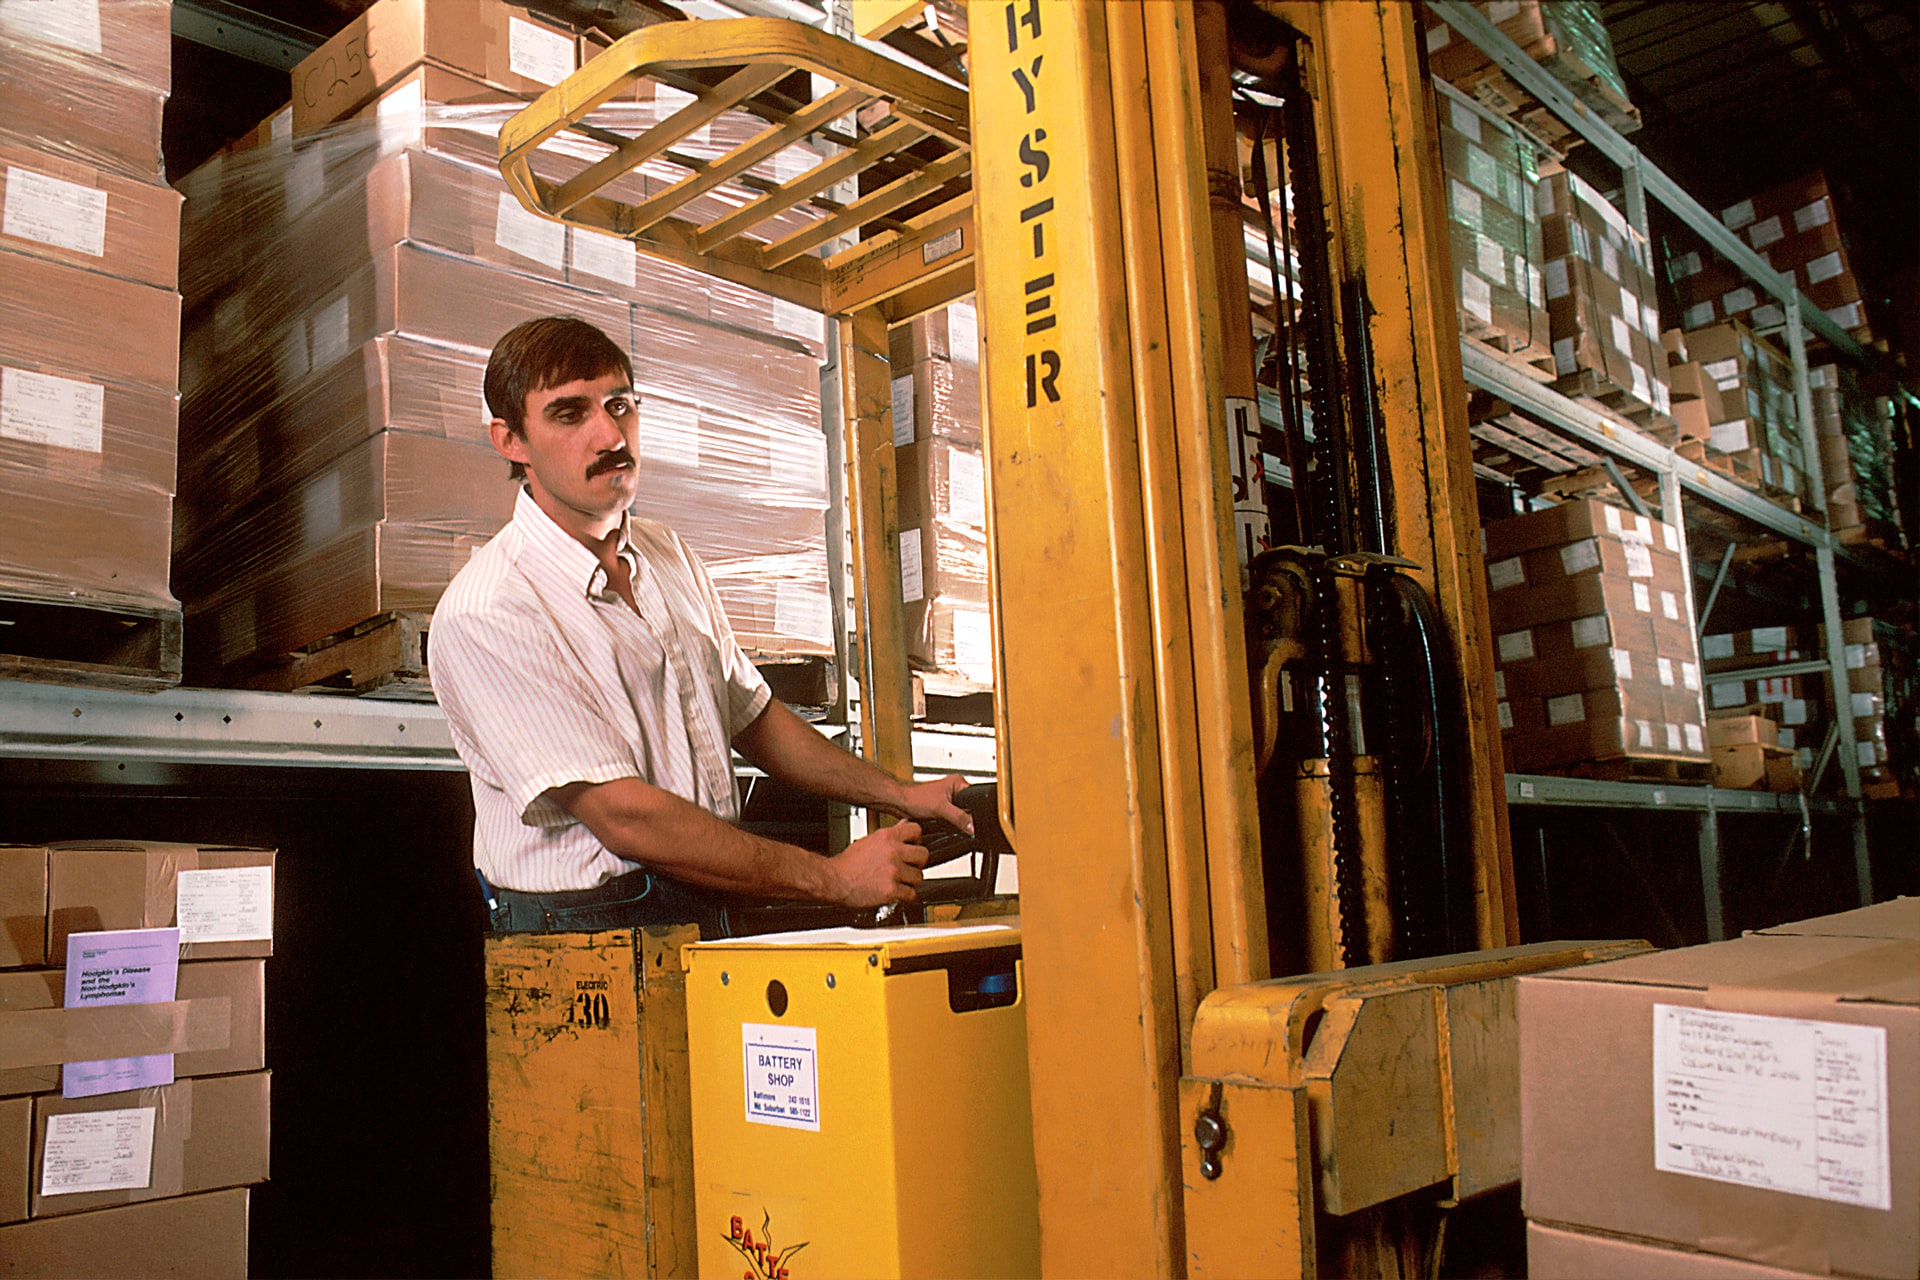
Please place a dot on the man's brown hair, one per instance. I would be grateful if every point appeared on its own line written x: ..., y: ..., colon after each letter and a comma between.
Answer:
x: 548, y: 352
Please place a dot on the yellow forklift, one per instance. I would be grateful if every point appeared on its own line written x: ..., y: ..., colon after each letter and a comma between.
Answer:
x: 1243, y: 729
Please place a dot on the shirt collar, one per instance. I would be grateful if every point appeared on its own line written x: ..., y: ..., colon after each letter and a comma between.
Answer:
x: 564, y: 555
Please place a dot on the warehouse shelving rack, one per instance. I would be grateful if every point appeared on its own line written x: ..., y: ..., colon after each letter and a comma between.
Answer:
x: 1679, y: 478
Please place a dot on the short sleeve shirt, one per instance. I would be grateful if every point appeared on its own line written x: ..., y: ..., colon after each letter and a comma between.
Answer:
x: 547, y: 678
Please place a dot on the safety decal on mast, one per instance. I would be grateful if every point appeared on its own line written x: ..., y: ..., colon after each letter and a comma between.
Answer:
x: 1042, y: 358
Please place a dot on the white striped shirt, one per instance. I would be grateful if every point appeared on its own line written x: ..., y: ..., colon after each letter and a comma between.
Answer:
x: 548, y: 678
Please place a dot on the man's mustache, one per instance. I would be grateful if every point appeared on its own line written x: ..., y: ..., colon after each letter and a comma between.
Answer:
x: 613, y: 461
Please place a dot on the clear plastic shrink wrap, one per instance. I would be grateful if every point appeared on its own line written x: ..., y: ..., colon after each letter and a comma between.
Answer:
x: 344, y: 287
x: 89, y: 319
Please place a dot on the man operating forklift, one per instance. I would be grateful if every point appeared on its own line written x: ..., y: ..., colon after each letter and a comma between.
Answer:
x: 594, y: 688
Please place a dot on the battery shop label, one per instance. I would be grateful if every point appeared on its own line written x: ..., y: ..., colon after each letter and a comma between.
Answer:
x: 782, y: 1076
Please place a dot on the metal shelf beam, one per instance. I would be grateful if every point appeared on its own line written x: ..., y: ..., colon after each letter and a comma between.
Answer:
x: 1551, y: 791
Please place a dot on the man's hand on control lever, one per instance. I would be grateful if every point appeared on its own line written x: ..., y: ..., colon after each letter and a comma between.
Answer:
x: 881, y: 867
x: 922, y: 801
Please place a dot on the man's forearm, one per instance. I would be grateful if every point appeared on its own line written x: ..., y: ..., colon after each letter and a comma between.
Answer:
x: 642, y: 823
x: 790, y: 749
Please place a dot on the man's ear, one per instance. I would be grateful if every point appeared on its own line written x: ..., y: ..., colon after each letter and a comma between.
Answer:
x: 506, y: 442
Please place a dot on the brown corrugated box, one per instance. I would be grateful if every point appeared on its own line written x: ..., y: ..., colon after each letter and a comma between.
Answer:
x: 715, y: 369
x: 92, y: 541
x: 216, y: 1024
x: 136, y: 429
x: 209, y: 1133
x: 1565, y: 1253
x: 86, y: 217
x: 504, y: 45
x: 50, y: 102
x: 126, y: 884
x: 1569, y: 522
x: 100, y: 324
x: 1612, y: 724
x: 946, y: 402
x: 23, y: 905
x: 16, y: 1156
x: 129, y: 39
x: 201, y: 1237
x: 1588, y: 1101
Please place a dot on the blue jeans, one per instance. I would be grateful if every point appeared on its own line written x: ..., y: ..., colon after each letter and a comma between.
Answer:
x: 633, y: 900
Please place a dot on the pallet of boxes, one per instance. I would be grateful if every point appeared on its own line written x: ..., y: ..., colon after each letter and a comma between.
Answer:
x: 1598, y: 672
x: 134, y: 1095
x: 1855, y: 434
x: 1736, y: 410
x: 348, y: 268
x: 943, y: 512
x: 1746, y: 1109
x: 89, y: 345
x: 1568, y: 38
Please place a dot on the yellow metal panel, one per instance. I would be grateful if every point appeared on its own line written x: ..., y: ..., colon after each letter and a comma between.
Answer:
x: 588, y: 1113
x: 875, y: 18
x: 1482, y: 1029
x: 1377, y: 1097
x: 921, y: 1164
x: 1255, y: 1220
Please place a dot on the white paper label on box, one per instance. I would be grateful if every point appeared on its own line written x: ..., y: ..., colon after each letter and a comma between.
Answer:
x: 1499, y: 683
x: 41, y: 408
x: 538, y: 53
x: 1591, y: 633
x: 903, y: 410
x: 1505, y: 711
x: 1662, y: 398
x: 1824, y: 267
x: 1847, y: 317
x: 529, y: 234
x: 963, y: 334
x: 1536, y: 294
x: 1501, y: 10
x: 1650, y: 322
x: 306, y: 181
x: 320, y: 508
x: 1700, y: 313
x: 1642, y: 389
x: 1630, y: 307
x: 1639, y: 561
x: 1670, y: 536
x: 1556, y: 278
x: 1670, y: 606
x: 1645, y: 730
x: 1787, y: 1104
x: 280, y: 126
x: 1476, y: 297
x: 1665, y: 667
x: 1516, y: 646
x: 1765, y: 232
x: 1466, y: 203
x: 1482, y: 173
x: 72, y: 23
x: 1609, y: 260
x: 1793, y: 711
x: 1568, y: 708
x: 1867, y: 755
x: 1621, y: 335
x: 912, y: 579
x: 1767, y: 639
x: 225, y: 904
x: 1786, y: 738
x: 1511, y: 572
x: 1768, y: 316
x: 1464, y: 119
x: 1809, y: 216
x: 1739, y: 300
x: 98, y: 1151
x: 1687, y: 264
x: 1622, y: 663
x: 1725, y: 373
x: 1491, y: 258
x: 400, y: 116
x: 1611, y: 517
x: 1729, y: 437
x: 1642, y: 598
x: 782, y: 1075
x: 1578, y: 557
x: 66, y: 215
x: 973, y: 643
x: 332, y: 332
x: 1696, y: 741
x: 1690, y: 677
x: 967, y: 488
x: 1563, y: 361
x: 802, y: 613
x: 1857, y: 655
x: 667, y: 432
x: 1675, y: 740
x: 1737, y: 216
x: 1439, y: 36
x: 1865, y: 704
x: 1727, y: 693
x: 606, y: 257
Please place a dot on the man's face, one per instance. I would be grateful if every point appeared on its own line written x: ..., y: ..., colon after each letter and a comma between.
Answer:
x: 579, y: 450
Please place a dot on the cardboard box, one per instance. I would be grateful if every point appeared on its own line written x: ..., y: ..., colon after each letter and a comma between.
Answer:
x: 85, y: 541
x: 1896, y: 919
x: 950, y: 333
x: 952, y: 636
x: 201, y: 1237
x: 23, y: 905
x: 129, y: 39
x: 118, y: 884
x: 16, y: 1154
x: 717, y: 370
x: 87, y: 429
x: 1491, y: 170
x: 1728, y: 731
x: 216, y: 1024
x: 1598, y: 1124
x: 504, y: 45
x: 118, y: 329
x: 87, y: 217
x: 1732, y: 650
x: 1565, y: 1253
x: 208, y: 1133
x: 1742, y: 766
x: 1587, y: 596
x: 89, y: 117
x: 1606, y: 725
x: 1570, y: 522
x: 945, y: 403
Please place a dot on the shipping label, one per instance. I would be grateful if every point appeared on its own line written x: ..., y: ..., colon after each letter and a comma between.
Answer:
x: 782, y: 1075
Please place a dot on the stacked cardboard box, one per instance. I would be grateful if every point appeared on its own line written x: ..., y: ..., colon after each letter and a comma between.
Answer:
x: 1855, y: 433
x: 1803, y: 707
x: 348, y: 271
x: 1600, y: 297
x: 1491, y: 170
x: 1569, y: 39
x: 1744, y: 386
x: 129, y: 1131
x: 1595, y: 645
x: 89, y: 308
x: 1748, y: 1108
x: 942, y: 482
x: 1793, y: 227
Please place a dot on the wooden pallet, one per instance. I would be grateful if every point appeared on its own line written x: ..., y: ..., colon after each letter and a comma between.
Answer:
x: 802, y: 680
x: 1678, y: 771
x: 383, y: 657
x: 1523, y: 359
x: 91, y: 644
